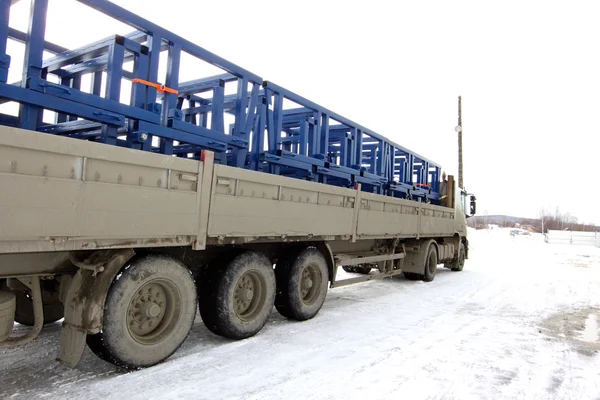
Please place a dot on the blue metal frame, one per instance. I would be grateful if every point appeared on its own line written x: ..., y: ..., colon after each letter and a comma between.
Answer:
x: 306, y: 142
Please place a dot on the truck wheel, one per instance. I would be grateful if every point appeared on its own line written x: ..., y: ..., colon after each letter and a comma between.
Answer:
x: 53, y: 309
x: 411, y: 276
x: 430, y: 264
x: 349, y: 268
x: 207, y: 297
x: 242, y: 295
x: 460, y: 263
x: 148, y: 314
x: 359, y: 269
x: 302, y: 285
x: 363, y: 269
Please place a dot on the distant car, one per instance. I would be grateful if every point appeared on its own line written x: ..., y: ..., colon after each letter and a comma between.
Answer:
x: 514, y: 232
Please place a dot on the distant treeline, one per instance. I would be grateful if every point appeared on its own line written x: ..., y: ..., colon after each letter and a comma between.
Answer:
x: 547, y: 220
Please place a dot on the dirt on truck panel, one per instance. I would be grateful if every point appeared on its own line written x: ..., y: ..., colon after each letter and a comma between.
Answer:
x: 106, y: 204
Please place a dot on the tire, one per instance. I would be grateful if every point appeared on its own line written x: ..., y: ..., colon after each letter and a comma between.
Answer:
x: 359, y: 269
x: 54, y: 310
x: 348, y: 268
x: 207, y: 294
x: 430, y: 267
x: 411, y: 276
x: 460, y: 263
x: 148, y: 314
x: 302, y: 284
x: 364, y: 269
x: 239, y: 298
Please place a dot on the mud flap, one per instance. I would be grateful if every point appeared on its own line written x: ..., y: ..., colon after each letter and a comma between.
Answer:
x: 72, y: 344
x: 84, y: 306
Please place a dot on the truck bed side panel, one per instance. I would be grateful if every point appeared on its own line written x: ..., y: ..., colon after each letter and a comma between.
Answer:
x: 382, y: 216
x: 59, y: 193
x: 436, y: 221
x: 252, y: 204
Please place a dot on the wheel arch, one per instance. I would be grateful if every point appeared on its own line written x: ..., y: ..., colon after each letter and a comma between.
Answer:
x: 416, y: 254
x: 325, y: 249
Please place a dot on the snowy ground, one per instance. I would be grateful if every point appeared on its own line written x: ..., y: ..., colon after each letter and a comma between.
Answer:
x: 521, y: 321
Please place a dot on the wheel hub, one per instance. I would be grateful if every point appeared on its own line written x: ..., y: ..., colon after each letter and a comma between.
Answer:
x: 152, y: 310
x: 147, y: 309
x: 309, y: 289
x: 248, y: 295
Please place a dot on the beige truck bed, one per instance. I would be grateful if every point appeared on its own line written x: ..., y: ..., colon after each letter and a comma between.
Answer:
x: 60, y: 194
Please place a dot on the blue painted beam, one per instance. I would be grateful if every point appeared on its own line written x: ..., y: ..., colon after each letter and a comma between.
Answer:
x: 309, y: 104
x: 92, y: 100
x: 58, y: 104
x: 70, y: 126
x: 229, y: 105
x: 21, y: 37
x: 30, y: 116
x: 4, y: 32
x: 208, y: 133
x: 199, y: 86
x: 183, y: 136
x: 150, y: 28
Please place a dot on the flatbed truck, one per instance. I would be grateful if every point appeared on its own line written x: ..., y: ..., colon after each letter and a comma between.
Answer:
x: 124, y: 240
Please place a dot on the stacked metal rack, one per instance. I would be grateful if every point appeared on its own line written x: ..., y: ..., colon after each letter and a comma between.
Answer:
x: 305, y: 141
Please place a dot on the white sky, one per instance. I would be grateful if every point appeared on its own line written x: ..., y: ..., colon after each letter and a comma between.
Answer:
x: 528, y: 72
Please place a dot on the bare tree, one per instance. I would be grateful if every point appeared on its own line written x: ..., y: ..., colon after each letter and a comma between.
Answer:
x: 544, y: 217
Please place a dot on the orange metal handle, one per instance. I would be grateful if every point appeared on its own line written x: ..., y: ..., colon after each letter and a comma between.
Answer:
x: 161, y: 88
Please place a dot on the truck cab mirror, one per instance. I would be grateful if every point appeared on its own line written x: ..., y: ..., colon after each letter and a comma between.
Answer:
x: 472, y: 206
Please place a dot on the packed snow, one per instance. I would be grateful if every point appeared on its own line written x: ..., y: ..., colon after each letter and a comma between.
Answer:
x: 520, y: 321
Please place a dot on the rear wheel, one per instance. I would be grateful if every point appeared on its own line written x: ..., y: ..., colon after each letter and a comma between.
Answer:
x: 149, y: 311
x: 302, y: 285
x: 238, y: 299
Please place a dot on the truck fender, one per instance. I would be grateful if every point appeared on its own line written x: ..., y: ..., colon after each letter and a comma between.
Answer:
x: 84, y: 305
x: 415, y: 256
x: 325, y: 249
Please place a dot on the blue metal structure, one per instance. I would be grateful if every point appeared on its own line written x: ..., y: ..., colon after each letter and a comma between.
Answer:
x: 306, y: 141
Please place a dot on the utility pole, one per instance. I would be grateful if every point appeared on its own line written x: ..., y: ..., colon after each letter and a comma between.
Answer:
x: 458, y: 129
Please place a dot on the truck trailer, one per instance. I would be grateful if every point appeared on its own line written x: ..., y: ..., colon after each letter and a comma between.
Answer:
x: 131, y: 200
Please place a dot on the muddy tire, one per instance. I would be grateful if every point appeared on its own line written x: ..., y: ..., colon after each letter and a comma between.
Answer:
x: 302, y: 283
x: 460, y: 262
x: 53, y: 309
x: 208, y: 283
x: 430, y: 264
x: 238, y: 299
x: 148, y: 314
x: 412, y: 276
x: 348, y: 268
x: 359, y: 269
x: 364, y: 269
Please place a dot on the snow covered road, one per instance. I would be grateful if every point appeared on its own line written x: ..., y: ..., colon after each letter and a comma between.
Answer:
x: 521, y: 321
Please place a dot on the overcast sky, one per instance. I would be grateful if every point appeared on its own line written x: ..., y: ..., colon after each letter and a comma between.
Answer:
x: 528, y: 72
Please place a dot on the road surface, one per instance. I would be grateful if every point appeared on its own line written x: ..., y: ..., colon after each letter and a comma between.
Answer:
x: 521, y: 321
